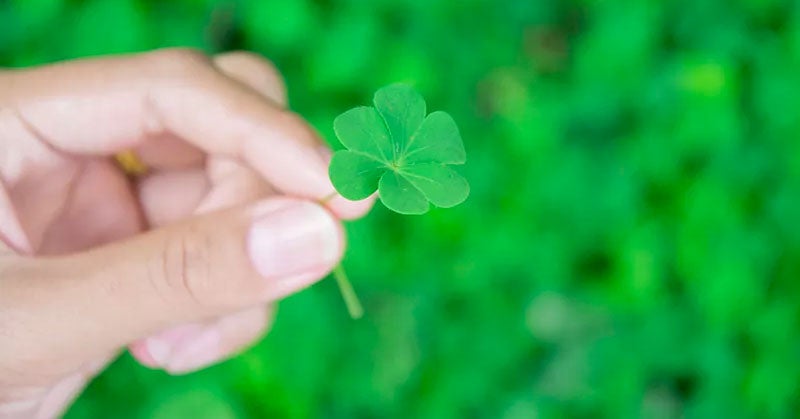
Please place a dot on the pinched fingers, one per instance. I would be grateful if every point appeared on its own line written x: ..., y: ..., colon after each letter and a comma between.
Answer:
x: 108, y: 105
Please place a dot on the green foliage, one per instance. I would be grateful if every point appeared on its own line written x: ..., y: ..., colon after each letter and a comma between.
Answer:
x: 630, y: 247
x: 395, y: 149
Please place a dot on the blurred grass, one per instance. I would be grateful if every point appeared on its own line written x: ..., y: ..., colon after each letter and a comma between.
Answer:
x: 631, y: 247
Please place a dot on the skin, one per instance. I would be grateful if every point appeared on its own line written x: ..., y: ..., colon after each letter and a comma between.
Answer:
x: 179, y: 265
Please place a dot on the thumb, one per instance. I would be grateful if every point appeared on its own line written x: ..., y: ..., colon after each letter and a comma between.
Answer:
x: 90, y: 303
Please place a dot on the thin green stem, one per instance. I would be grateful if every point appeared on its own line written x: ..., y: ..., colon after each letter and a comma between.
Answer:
x: 348, y: 294
x: 345, y: 287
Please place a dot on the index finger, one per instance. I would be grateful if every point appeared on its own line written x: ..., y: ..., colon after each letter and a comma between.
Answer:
x: 107, y: 105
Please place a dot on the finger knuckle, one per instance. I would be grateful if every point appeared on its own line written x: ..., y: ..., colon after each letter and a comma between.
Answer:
x: 184, y: 270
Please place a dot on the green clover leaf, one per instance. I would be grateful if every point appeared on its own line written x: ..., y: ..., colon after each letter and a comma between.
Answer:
x: 396, y: 149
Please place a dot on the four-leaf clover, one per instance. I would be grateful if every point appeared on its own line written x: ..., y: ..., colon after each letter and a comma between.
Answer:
x: 396, y: 149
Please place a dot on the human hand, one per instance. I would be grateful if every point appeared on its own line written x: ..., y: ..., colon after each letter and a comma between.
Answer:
x: 179, y: 264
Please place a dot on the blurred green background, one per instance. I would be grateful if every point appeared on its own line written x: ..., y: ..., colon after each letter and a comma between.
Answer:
x: 631, y: 247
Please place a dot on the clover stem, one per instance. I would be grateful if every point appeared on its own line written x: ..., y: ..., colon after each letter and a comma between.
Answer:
x: 348, y: 294
x: 345, y: 287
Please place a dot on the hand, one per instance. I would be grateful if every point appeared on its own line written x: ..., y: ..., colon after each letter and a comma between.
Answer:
x: 179, y: 264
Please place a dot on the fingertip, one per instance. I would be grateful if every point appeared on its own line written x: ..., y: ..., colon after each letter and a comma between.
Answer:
x: 205, y: 344
x: 346, y: 209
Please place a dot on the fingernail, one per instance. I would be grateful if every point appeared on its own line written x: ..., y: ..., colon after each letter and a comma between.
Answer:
x: 297, y: 238
x: 196, y: 353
